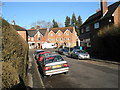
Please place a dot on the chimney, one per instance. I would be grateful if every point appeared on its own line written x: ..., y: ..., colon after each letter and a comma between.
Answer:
x: 104, y: 6
x: 37, y: 27
x: 13, y: 22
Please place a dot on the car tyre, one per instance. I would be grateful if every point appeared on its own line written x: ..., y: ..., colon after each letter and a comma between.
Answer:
x: 65, y: 72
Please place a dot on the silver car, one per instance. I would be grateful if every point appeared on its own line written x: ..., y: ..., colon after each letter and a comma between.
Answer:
x: 54, y: 64
x: 80, y: 54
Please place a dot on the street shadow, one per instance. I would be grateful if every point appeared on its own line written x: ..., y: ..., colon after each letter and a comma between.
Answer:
x: 20, y: 86
x: 40, y: 71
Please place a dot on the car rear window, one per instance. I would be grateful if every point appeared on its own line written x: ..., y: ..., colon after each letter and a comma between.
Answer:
x: 39, y: 52
x: 53, y: 59
x: 45, y: 54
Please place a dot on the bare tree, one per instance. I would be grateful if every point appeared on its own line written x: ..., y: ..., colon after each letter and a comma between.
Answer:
x: 42, y: 24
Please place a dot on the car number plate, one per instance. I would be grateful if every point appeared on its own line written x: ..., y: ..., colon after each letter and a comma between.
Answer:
x: 56, y: 66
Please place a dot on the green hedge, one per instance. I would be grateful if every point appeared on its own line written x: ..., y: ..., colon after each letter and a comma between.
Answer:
x: 109, y: 42
x: 14, y: 56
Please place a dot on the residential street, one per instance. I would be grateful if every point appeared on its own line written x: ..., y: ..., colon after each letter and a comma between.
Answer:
x: 82, y: 74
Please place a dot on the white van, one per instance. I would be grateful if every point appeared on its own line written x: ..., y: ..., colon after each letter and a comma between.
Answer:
x: 48, y: 45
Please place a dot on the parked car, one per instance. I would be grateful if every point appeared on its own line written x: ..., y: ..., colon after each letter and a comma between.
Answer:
x: 80, y: 54
x: 54, y: 64
x: 41, y: 56
x: 70, y: 51
x: 65, y: 51
x: 60, y: 50
x: 36, y: 52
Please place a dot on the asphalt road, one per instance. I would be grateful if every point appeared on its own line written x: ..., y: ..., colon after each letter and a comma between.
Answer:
x: 82, y: 74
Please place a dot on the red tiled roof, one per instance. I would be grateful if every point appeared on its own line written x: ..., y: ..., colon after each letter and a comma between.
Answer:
x: 63, y: 29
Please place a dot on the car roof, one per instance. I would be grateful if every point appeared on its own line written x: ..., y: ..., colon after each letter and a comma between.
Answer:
x: 39, y: 50
x: 53, y: 55
x: 43, y: 52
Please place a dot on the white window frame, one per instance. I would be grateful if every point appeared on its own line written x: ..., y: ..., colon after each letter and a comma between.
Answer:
x: 67, y: 33
x: 51, y: 34
x: 68, y: 38
x: 32, y: 39
x: 59, y: 34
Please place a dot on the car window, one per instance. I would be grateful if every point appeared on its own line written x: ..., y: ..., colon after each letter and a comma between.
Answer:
x: 81, y: 51
x: 39, y: 52
x: 53, y: 59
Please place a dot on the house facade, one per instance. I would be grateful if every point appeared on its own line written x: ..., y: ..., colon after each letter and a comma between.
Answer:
x: 66, y: 36
x: 21, y: 31
x: 104, y: 17
x: 36, y: 37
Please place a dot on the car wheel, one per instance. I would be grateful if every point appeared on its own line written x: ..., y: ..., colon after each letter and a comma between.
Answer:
x: 65, y: 72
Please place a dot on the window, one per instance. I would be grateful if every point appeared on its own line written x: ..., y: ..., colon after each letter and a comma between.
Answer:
x: 57, y: 39
x: 38, y: 38
x: 82, y: 30
x: 68, y: 38
x: 59, y: 34
x: 52, y: 39
x: 32, y: 39
x: 64, y: 38
x: 87, y: 28
x: 96, y: 25
x: 51, y: 34
x: 67, y: 33
x: 60, y: 39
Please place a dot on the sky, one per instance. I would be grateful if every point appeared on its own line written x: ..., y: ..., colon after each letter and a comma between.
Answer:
x: 25, y: 13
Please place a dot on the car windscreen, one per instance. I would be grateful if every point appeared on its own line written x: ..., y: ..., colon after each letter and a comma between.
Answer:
x: 53, y: 59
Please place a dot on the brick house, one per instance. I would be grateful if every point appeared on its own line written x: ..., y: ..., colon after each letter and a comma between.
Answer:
x: 21, y: 31
x: 65, y: 36
x: 104, y: 17
x: 36, y: 37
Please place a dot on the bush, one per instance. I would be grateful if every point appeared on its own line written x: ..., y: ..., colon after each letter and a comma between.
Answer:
x: 14, y: 55
x: 109, y: 42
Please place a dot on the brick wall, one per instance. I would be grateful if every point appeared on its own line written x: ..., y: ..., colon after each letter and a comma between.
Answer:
x: 23, y: 34
x: 117, y: 16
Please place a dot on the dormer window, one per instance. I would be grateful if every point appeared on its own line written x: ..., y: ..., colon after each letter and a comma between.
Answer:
x: 96, y: 25
x: 51, y: 34
x: 67, y: 33
x: 59, y: 34
x: 38, y: 38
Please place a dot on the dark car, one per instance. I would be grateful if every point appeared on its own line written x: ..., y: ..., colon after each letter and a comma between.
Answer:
x: 60, y: 50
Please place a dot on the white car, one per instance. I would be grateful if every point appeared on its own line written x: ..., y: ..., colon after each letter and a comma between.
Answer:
x: 54, y: 64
